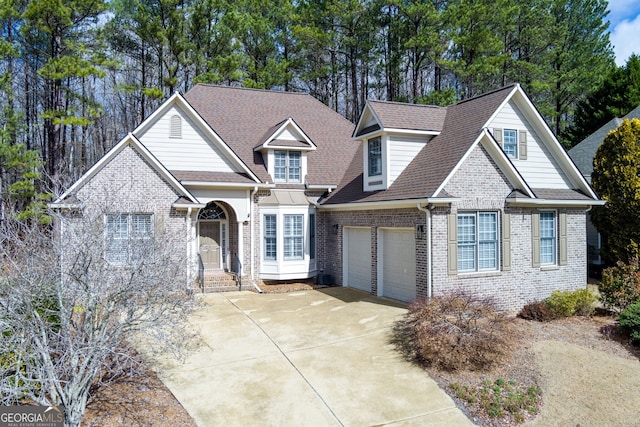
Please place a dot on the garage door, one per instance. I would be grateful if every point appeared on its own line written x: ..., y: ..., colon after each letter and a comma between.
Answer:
x: 398, y: 264
x: 357, y: 258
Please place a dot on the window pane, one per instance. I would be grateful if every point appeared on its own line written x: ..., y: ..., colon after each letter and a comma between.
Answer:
x: 510, y: 143
x: 375, y: 156
x: 478, y: 241
x: 116, y: 239
x: 293, y: 232
x: 294, y: 166
x: 280, y: 170
x: 548, y: 237
x: 270, y: 237
x: 141, y: 225
x: 466, y: 242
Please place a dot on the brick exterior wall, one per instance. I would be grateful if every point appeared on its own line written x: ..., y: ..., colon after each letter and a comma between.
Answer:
x: 480, y: 186
x: 128, y: 184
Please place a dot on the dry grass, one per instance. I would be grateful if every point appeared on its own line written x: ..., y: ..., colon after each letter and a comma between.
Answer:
x: 584, y: 367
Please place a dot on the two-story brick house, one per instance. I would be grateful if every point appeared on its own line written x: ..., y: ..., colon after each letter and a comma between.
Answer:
x: 413, y: 201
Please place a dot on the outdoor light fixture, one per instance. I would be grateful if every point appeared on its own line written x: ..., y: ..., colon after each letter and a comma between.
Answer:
x: 419, y: 232
x: 335, y: 228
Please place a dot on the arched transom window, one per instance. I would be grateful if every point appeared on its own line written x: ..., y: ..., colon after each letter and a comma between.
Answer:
x: 212, y: 211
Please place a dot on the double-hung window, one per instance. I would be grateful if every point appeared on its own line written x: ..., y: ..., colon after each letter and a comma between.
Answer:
x: 128, y: 237
x: 374, y: 154
x: 548, y: 238
x: 270, y: 241
x: 288, y: 166
x: 293, y: 237
x: 477, y: 241
x: 510, y: 143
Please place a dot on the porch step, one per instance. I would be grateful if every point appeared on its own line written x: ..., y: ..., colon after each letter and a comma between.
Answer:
x: 219, y: 282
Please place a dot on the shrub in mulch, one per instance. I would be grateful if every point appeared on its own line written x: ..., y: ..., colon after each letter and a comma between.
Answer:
x: 538, y: 311
x: 455, y: 332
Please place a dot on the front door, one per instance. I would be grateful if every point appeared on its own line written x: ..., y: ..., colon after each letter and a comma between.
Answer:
x: 210, y: 245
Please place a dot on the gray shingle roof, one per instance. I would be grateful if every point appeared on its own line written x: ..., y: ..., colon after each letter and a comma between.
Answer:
x: 584, y: 152
x: 203, y: 176
x: 409, y: 116
x: 461, y: 127
x: 241, y: 117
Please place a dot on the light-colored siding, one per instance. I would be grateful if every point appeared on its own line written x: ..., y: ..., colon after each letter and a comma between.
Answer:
x: 401, y: 151
x: 192, y: 152
x: 540, y: 170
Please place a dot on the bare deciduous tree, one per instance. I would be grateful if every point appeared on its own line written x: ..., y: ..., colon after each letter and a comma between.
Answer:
x: 71, y: 299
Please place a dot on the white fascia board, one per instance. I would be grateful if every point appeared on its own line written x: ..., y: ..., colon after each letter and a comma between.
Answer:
x: 397, y: 131
x: 274, y: 135
x: 130, y: 139
x: 160, y: 168
x: 185, y: 206
x: 388, y: 204
x: 55, y: 205
x: 552, y: 202
x: 498, y: 156
x: 328, y: 187
x: 366, y: 136
x: 225, y: 184
x: 176, y: 98
x: 412, y: 131
x: 548, y: 137
x: 367, y: 107
x: 504, y: 103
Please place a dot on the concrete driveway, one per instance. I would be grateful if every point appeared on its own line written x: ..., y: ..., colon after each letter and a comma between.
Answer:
x: 312, y: 358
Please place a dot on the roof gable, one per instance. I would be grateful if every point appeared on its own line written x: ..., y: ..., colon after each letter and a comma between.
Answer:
x: 555, y: 152
x: 244, y: 118
x: 198, y: 148
x: 128, y: 141
x: 287, y: 135
x: 400, y: 117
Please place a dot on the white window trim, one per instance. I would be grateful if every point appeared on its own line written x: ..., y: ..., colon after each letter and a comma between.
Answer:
x: 380, y: 172
x: 556, y: 236
x: 516, y: 143
x: 287, y: 179
x: 130, y: 237
x: 477, y: 242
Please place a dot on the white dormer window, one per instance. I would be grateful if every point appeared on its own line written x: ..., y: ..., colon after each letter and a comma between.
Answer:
x: 287, y: 166
x: 374, y: 155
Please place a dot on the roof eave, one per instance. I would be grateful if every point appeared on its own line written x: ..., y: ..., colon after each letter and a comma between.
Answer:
x: 389, y: 204
x: 226, y: 184
x: 554, y: 202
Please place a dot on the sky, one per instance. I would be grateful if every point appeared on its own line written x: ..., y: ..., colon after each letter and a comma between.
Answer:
x: 624, y: 24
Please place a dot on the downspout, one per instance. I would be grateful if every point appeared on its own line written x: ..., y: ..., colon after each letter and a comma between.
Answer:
x: 427, y: 212
x: 189, y: 260
x: 251, y: 239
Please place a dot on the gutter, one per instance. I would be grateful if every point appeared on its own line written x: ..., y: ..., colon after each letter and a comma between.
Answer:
x: 251, y: 238
x: 189, y: 250
x: 427, y: 212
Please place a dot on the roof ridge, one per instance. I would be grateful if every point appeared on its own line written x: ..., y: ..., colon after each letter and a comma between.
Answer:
x: 248, y: 89
x: 491, y: 92
x: 412, y: 104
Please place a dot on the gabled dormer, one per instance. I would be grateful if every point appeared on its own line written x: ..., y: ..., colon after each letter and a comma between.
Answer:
x: 284, y: 150
x: 393, y: 134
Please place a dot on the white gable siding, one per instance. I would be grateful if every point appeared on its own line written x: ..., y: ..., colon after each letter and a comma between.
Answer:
x: 540, y: 170
x: 288, y: 135
x: 191, y: 152
x: 402, y: 150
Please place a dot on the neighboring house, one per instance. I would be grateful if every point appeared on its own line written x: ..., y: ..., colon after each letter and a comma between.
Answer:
x: 582, y: 155
x: 414, y: 201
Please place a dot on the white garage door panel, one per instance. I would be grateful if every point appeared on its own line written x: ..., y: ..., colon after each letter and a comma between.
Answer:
x: 357, y: 244
x: 399, y: 264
